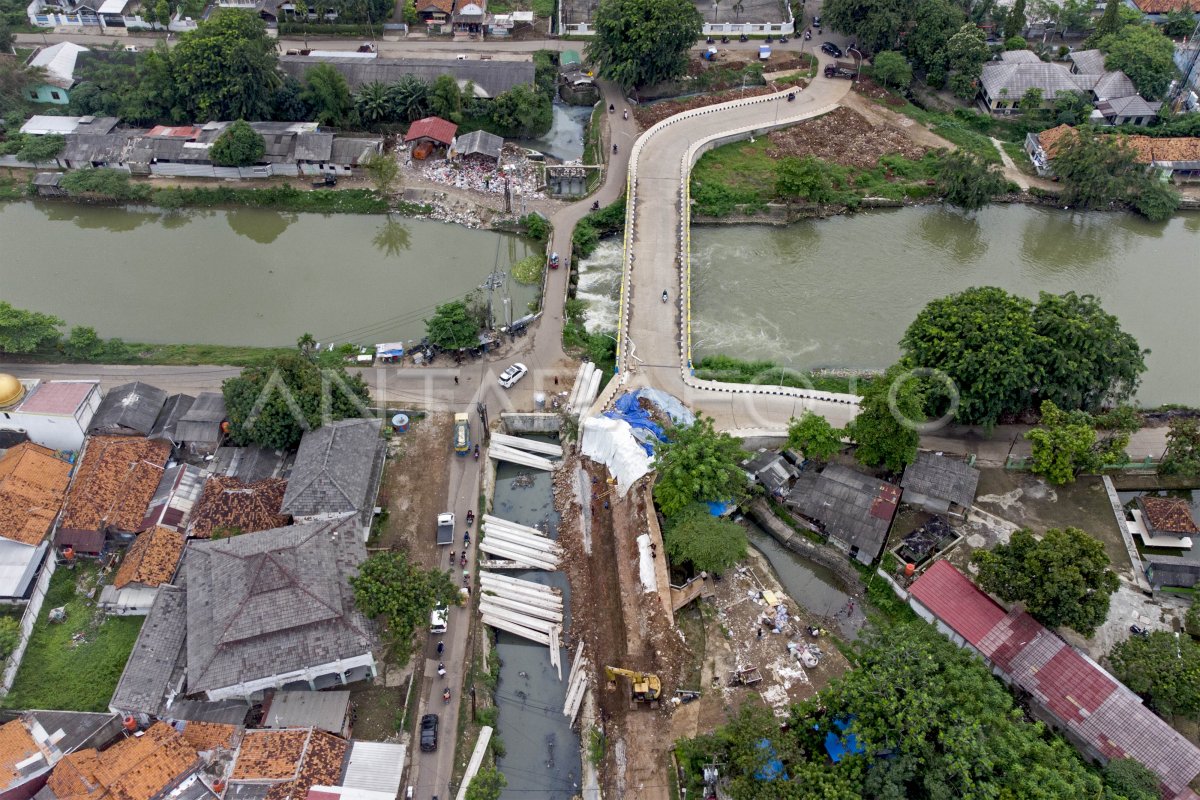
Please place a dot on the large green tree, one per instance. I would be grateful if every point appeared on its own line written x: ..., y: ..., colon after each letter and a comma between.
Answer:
x: 966, y: 53
x: 388, y: 586
x: 967, y: 181
x: 710, y: 544
x: 803, y: 179
x: 41, y: 149
x: 239, y: 145
x: 1064, y: 579
x: 931, y: 720
x: 979, y: 337
x: 1087, y: 360
x: 884, y: 432
x: 1067, y: 442
x: 373, y: 103
x: 1015, y: 21
x: 410, y: 98
x: 1095, y: 169
x: 697, y: 464
x: 24, y: 331
x: 933, y: 23
x: 273, y: 403
x: 813, y: 436
x: 226, y: 68
x: 642, y: 42
x: 890, y: 69
x: 1164, y: 668
x: 1110, y: 22
x: 1182, y: 456
x: 328, y: 94
x: 452, y: 327
x: 1127, y: 779
x: 874, y: 24
x: 445, y: 98
x: 521, y: 112
x: 1145, y: 55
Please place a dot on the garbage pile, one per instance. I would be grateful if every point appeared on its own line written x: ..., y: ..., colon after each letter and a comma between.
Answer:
x: 523, y: 179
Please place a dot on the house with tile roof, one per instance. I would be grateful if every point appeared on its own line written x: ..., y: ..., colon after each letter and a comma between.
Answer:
x: 33, y: 483
x: 154, y: 673
x: 150, y: 562
x: 33, y: 743
x: 852, y: 508
x: 285, y: 764
x: 54, y: 414
x: 275, y: 609
x: 228, y: 504
x: 1173, y: 158
x: 1066, y: 689
x: 337, y: 472
x: 148, y: 766
x: 113, y: 486
x: 129, y: 410
x: 1167, y: 516
x: 1156, y: 11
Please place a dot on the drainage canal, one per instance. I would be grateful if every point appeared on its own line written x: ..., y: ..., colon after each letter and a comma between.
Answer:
x: 542, y: 756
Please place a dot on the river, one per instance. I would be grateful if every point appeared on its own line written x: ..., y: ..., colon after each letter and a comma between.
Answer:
x: 840, y: 292
x: 246, y: 276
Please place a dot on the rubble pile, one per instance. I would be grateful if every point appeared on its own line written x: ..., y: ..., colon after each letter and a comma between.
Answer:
x: 478, y: 176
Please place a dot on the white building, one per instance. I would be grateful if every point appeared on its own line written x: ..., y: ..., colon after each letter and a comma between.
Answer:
x: 54, y: 414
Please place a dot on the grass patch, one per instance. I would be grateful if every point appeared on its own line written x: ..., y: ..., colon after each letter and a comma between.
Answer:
x: 59, y: 672
x: 599, y: 348
x: 597, y: 746
x: 968, y: 129
x: 178, y: 355
x: 12, y: 189
x: 740, y: 176
x: 284, y: 198
x: 588, y: 231
x: 734, y: 370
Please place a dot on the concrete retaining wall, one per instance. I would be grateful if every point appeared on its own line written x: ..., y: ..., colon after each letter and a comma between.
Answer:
x: 522, y: 424
x: 779, y: 530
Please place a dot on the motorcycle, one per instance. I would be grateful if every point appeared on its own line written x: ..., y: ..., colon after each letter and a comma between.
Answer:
x: 441, y: 646
x: 446, y: 697
x: 665, y: 296
x: 710, y: 40
x: 614, y: 147
x: 476, y: 452
x: 743, y: 38
x: 441, y: 670
x: 791, y: 96
x: 611, y: 108
x: 807, y: 35
x: 1138, y: 630
x: 466, y: 541
x: 462, y: 562
x: 470, y: 517
x: 783, y: 39
x: 770, y: 38
x: 724, y: 40
x: 627, y: 113
x: 596, y: 205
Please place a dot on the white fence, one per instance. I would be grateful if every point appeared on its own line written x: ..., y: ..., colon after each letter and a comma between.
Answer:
x: 27, y: 622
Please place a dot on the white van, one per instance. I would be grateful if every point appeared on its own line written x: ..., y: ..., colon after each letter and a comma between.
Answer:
x: 437, y: 619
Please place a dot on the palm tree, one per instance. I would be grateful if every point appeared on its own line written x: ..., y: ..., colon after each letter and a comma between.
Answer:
x: 374, y: 103
x: 410, y: 98
x: 738, y: 8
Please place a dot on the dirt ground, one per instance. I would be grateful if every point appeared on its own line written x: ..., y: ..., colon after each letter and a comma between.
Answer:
x: 621, y: 626
x: 843, y: 137
x: 414, y: 489
x: 656, y: 112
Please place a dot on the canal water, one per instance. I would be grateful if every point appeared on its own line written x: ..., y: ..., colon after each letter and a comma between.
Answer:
x: 564, y: 140
x: 246, y: 276
x: 811, y: 585
x: 542, y: 757
x: 840, y: 292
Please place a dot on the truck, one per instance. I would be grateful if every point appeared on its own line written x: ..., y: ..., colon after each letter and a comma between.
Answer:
x: 462, y: 434
x: 445, y: 528
x: 841, y: 69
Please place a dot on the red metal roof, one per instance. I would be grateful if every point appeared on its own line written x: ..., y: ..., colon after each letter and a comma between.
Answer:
x: 1092, y: 704
x: 435, y: 128
x: 57, y: 397
x: 174, y: 132
x: 954, y: 599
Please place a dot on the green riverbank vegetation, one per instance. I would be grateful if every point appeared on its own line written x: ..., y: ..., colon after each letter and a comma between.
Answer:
x: 768, y: 373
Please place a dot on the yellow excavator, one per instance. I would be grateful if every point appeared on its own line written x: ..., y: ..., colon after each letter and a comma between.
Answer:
x: 647, y: 688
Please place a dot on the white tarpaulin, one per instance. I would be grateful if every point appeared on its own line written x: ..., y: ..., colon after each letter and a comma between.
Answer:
x: 611, y: 443
x: 646, y: 564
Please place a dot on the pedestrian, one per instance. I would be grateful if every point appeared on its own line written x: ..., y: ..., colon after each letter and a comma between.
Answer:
x: 556, y: 380
x: 760, y: 633
x: 456, y: 380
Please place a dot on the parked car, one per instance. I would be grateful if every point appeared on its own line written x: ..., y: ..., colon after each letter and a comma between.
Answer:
x: 429, y: 726
x: 832, y: 49
x: 816, y: 22
x: 437, y: 619
x: 513, y: 374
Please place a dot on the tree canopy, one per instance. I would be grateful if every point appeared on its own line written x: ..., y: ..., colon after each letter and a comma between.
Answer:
x: 1005, y: 354
x: 967, y: 181
x: 697, y: 464
x: 642, y: 42
x: 1126, y: 779
x: 1183, y: 447
x: 1095, y: 169
x: 1145, y: 55
x: 812, y: 435
x: 890, y: 69
x: 39, y: 149
x: 966, y: 52
x: 273, y: 403
x: 710, y: 544
x: 803, y: 178
x: 874, y: 24
x: 1066, y: 444
x: 225, y: 69
x: 1162, y: 667
x: 947, y: 726
x: 24, y: 331
x: 403, y: 594
x: 1064, y: 579
x: 328, y: 94
x: 239, y: 145
x: 452, y: 327
x: 488, y: 784
x: 884, y: 431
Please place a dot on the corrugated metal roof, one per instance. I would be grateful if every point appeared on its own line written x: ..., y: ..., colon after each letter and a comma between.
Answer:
x: 954, y: 599
x: 300, y: 709
x: 375, y: 766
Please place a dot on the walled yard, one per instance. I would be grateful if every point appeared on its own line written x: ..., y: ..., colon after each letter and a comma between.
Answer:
x: 74, y: 665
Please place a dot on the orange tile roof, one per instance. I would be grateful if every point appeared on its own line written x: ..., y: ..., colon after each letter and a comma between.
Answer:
x: 229, y: 503
x: 1169, y: 514
x: 32, y: 484
x: 152, y: 558
x: 115, y: 483
x: 1147, y: 149
x: 209, y: 735
x: 1166, y: 6
x: 295, y: 759
x: 15, y: 745
x: 135, y: 768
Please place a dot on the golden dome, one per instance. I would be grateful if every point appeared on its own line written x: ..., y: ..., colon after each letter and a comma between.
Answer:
x: 11, y: 390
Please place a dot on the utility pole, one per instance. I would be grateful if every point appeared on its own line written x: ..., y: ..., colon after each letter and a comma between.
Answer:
x: 492, y: 282
x: 481, y: 408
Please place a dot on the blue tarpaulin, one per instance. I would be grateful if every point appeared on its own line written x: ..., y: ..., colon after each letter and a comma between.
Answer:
x: 773, y: 769
x: 839, y: 747
x: 627, y: 410
x: 719, y: 508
